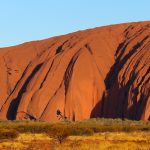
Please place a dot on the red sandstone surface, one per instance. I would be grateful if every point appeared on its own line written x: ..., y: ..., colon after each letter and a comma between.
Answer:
x: 101, y: 72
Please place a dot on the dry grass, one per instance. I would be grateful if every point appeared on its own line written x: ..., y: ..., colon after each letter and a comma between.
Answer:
x: 102, y: 141
x: 93, y: 134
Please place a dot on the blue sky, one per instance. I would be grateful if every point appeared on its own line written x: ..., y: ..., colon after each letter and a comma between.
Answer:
x: 26, y: 20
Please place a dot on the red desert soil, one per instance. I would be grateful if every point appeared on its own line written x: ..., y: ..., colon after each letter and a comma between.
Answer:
x: 101, y: 72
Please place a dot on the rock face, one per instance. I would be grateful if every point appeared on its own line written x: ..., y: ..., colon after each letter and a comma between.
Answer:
x: 101, y: 72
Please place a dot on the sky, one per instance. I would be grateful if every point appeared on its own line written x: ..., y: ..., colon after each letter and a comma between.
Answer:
x: 28, y: 20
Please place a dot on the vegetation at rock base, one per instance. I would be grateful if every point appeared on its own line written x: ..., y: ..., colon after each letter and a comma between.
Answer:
x: 79, y: 127
x: 96, y: 133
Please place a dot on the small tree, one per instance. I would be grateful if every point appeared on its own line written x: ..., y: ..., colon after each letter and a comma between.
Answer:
x: 59, y: 133
x: 60, y: 116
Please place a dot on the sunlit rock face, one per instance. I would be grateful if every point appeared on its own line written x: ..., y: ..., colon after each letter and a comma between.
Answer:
x: 101, y: 72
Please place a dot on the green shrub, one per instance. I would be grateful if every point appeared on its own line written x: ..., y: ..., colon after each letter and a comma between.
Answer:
x: 80, y: 130
x: 87, y: 131
x: 33, y: 127
x: 85, y: 127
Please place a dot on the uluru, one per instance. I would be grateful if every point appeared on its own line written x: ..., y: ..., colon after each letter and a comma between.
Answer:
x: 96, y: 73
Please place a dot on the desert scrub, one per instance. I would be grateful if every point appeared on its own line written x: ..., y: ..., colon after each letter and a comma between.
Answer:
x: 33, y: 127
x: 8, y: 134
x: 77, y: 129
x: 85, y: 127
x: 59, y: 133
